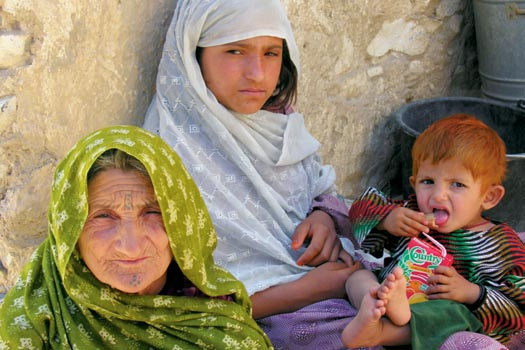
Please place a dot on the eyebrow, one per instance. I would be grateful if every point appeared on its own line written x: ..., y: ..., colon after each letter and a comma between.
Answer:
x: 110, y: 203
x: 241, y: 43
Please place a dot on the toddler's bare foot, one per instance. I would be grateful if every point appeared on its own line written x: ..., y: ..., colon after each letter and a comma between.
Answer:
x: 363, y: 330
x: 393, y: 292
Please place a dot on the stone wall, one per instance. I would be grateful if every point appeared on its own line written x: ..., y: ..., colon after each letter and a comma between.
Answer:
x: 364, y: 59
x: 69, y: 67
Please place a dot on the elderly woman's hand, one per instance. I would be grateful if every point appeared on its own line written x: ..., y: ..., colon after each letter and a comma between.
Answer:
x: 317, y: 231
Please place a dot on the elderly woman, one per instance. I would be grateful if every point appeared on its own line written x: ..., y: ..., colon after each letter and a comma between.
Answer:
x: 128, y: 260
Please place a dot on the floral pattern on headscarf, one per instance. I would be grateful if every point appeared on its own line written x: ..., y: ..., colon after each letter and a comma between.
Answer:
x: 58, y: 303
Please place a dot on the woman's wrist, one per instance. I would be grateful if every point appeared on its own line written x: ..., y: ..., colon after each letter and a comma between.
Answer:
x: 336, y: 208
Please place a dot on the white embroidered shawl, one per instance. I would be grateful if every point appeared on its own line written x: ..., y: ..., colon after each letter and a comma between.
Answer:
x: 258, y: 173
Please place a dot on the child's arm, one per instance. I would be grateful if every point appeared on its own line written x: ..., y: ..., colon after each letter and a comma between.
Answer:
x: 502, y: 309
x: 447, y: 283
x: 375, y: 210
x: 405, y: 222
x: 499, y: 312
x: 367, y: 211
x: 496, y: 290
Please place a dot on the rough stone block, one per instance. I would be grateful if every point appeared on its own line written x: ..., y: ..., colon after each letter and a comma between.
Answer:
x: 13, y: 49
x: 7, y: 112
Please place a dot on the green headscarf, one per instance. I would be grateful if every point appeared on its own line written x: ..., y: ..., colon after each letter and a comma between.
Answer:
x: 58, y: 304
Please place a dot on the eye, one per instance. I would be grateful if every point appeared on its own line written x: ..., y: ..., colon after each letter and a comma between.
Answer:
x: 103, y: 215
x: 152, y: 215
x: 152, y: 211
x: 427, y: 182
x: 273, y: 54
x: 458, y: 185
x: 234, y: 52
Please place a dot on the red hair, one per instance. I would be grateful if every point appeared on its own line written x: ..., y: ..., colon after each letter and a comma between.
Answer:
x: 463, y: 137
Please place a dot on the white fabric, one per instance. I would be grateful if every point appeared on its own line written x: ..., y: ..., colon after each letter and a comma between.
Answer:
x: 257, y: 173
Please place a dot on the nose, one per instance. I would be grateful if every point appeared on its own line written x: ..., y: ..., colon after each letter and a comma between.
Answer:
x: 440, y: 193
x: 130, y: 238
x: 254, y: 68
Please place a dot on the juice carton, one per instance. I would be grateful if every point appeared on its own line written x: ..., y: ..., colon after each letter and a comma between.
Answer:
x: 418, y: 261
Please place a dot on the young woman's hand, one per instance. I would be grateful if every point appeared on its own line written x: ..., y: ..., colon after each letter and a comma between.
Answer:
x: 447, y: 283
x: 317, y: 231
x: 405, y: 222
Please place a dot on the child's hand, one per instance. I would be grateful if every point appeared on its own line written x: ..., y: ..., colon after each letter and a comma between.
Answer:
x: 405, y: 222
x: 431, y: 221
x: 447, y: 283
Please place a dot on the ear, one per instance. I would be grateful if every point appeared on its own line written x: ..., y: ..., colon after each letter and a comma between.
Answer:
x: 412, y: 182
x: 493, y: 196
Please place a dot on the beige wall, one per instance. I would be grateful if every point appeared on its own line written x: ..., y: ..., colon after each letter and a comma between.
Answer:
x: 69, y: 67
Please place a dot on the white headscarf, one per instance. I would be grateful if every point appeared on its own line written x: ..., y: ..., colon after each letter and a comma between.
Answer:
x: 259, y: 173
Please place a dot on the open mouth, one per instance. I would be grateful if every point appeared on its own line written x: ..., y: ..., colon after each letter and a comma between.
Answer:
x: 441, y: 216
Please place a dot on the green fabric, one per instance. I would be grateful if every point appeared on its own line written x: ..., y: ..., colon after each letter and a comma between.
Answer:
x: 58, y: 304
x: 434, y: 321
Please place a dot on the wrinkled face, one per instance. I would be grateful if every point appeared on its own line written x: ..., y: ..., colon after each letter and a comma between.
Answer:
x: 124, y: 242
x: 448, y: 190
x: 243, y: 75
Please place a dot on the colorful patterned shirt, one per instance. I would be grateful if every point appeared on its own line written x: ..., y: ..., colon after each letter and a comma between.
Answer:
x: 493, y: 259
